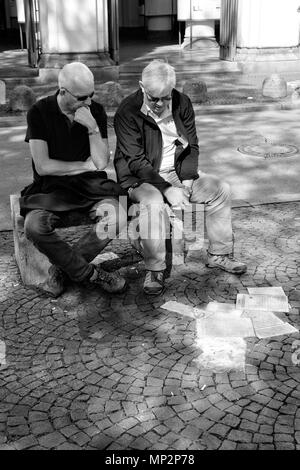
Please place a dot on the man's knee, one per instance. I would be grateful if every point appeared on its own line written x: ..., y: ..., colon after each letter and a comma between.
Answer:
x: 37, y: 223
x: 213, y: 186
x: 149, y: 195
x: 224, y: 188
x: 111, y: 213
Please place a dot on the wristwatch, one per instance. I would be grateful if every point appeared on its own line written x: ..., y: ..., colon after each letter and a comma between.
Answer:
x: 94, y: 132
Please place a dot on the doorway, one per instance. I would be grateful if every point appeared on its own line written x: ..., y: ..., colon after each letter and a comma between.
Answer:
x: 12, y: 32
x: 145, y: 25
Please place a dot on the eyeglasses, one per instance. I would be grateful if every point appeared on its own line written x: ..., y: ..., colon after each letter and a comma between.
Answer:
x: 81, y: 98
x: 152, y: 99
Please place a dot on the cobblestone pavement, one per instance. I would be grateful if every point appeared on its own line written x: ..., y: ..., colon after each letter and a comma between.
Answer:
x: 92, y: 371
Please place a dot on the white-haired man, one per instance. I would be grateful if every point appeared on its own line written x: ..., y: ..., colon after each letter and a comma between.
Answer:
x: 67, y: 134
x: 156, y: 160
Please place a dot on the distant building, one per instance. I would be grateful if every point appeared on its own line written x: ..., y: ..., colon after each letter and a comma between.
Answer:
x: 251, y: 31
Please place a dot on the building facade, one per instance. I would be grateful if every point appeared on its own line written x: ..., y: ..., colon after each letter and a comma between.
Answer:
x: 57, y: 31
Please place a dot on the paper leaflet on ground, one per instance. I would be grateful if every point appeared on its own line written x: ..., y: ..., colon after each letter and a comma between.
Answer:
x: 275, y: 291
x: 219, y: 307
x: 276, y: 330
x: 267, y: 324
x: 221, y: 320
x: 270, y: 303
x: 224, y: 325
x: 222, y: 354
x: 213, y: 322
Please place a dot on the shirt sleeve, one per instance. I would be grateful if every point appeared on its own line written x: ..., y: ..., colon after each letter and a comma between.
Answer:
x: 36, y: 128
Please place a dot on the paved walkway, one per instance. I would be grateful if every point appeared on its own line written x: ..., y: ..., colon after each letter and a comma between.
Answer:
x: 253, y: 179
x: 92, y: 371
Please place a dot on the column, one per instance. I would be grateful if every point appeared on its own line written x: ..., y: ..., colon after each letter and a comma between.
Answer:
x: 264, y: 34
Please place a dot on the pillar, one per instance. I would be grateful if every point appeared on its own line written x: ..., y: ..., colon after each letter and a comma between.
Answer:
x: 264, y: 34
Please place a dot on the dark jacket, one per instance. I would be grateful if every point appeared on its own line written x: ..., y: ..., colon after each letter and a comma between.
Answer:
x: 139, y: 142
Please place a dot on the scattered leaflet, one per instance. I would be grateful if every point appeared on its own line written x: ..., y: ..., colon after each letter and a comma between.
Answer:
x: 271, y: 303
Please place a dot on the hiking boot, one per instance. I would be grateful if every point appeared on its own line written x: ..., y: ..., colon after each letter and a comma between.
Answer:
x: 154, y: 282
x: 54, y: 285
x: 227, y: 263
x: 110, y: 282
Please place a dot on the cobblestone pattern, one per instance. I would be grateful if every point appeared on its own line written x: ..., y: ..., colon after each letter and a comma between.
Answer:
x: 92, y: 371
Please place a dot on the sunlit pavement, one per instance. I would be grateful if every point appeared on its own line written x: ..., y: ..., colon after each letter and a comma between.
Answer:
x: 252, y: 179
x: 92, y: 371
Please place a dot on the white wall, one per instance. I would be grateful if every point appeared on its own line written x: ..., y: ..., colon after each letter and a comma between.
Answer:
x: 73, y: 26
x: 268, y: 23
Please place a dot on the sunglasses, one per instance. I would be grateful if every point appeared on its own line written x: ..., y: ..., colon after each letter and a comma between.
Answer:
x: 81, y: 98
x: 152, y: 99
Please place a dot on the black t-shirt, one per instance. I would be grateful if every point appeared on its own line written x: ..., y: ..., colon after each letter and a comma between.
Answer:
x: 67, y: 141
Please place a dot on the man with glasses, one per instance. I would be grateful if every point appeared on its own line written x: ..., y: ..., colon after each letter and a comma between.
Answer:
x: 156, y: 160
x: 67, y: 134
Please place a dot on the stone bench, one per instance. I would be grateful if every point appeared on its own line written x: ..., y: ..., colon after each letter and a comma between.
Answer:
x: 33, y: 265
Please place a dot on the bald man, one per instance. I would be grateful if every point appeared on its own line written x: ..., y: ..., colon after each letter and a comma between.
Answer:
x: 67, y: 135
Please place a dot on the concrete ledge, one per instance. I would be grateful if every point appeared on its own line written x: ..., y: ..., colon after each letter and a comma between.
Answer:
x: 238, y: 203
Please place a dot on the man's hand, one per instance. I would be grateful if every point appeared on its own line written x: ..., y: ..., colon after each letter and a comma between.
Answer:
x: 90, y: 166
x: 84, y: 117
x: 188, y: 185
x: 177, y: 197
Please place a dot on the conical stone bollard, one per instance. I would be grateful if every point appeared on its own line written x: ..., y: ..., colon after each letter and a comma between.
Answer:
x: 21, y: 98
x: 274, y: 86
x: 196, y: 90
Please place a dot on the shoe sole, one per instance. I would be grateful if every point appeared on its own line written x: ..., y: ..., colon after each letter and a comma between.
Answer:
x: 241, y: 271
x: 44, y: 292
x: 124, y: 288
x: 154, y: 293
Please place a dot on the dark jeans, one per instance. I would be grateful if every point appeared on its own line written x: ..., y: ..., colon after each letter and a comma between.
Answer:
x: 110, y: 218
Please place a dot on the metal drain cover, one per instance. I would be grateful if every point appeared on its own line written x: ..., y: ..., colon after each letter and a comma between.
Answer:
x: 268, y: 150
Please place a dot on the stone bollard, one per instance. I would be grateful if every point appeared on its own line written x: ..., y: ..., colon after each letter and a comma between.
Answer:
x: 109, y: 94
x: 196, y: 90
x: 274, y: 86
x: 295, y: 96
x: 21, y: 98
x: 2, y: 92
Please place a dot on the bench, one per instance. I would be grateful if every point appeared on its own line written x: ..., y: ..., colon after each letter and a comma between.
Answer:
x: 33, y: 265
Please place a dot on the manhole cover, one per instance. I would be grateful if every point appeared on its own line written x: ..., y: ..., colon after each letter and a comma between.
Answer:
x: 268, y: 150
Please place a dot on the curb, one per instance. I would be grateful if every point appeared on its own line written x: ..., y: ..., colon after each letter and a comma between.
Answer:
x: 239, y: 203
x: 13, y: 121
x: 245, y: 107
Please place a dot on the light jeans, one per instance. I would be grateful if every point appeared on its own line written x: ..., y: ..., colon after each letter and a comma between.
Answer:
x: 208, y: 190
